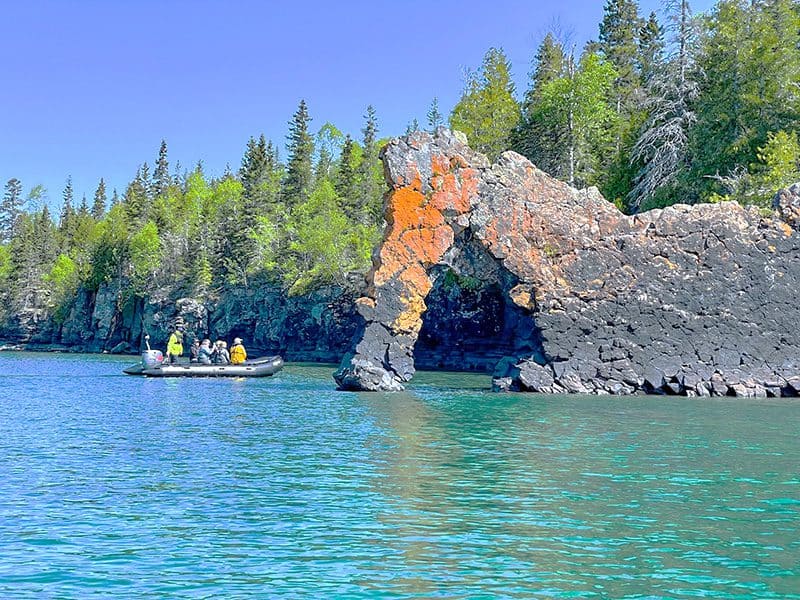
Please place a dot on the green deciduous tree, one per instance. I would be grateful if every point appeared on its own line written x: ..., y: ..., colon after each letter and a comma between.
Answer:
x: 577, y: 105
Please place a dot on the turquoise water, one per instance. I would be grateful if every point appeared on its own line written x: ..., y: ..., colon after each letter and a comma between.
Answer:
x: 133, y: 487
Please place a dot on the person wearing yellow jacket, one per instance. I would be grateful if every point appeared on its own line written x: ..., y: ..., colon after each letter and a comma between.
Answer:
x: 175, y: 345
x: 238, y: 353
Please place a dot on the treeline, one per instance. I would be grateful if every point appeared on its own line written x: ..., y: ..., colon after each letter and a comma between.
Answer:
x: 654, y: 112
x: 304, y: 222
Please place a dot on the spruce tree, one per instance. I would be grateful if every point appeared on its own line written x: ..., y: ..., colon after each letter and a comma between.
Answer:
x: 412, y: 126
x: 161, y: 178
x: 300, y: 146
x: 651, y: 48
x: 538, y: 139
x: 369, y: 173
x: 487, y: 111
x: 100, y: 199
x: 83, y: 209
x: 345, y: 182
x: 10, y: 209
x: 435, y: 117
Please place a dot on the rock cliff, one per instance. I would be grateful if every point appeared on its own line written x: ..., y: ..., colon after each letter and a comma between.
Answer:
x: 313, y: 327
x: 696, y: 300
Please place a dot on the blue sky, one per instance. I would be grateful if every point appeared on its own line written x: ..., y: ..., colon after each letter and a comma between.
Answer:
x: 90, y: 88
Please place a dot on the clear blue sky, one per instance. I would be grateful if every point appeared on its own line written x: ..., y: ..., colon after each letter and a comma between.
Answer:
x: 90, y: 88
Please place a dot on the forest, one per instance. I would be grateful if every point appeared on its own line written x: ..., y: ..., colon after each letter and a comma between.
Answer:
x: 658, y: 110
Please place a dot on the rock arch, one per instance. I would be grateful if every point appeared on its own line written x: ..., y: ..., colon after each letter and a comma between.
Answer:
x: 695, y: 300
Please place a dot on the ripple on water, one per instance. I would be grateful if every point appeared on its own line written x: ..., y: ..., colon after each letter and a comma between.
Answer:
x: 120, y: 485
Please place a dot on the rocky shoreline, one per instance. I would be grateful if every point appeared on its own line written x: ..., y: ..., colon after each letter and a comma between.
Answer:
x: 693, y: 300
x: 502, y: 269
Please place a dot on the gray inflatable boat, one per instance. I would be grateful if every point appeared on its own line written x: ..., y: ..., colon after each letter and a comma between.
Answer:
x: 151, y: 366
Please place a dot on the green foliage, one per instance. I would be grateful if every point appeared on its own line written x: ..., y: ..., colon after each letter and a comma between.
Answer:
x: 5, y: 264
x: 298, y: 180
x: 487, y: 111
x: 577, y: 104
x: 145, y: 256
x: 751, y: 61
x: 327, y: 245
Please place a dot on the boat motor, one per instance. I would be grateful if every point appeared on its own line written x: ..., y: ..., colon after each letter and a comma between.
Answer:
x: 151, y: 358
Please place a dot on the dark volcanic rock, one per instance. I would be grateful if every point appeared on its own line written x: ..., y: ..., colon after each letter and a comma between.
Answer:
x: 685, y: 300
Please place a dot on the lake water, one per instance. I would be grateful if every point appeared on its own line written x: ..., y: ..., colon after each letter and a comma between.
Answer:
x: 134, y: 487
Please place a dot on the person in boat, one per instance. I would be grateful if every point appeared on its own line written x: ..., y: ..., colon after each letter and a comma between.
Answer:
x: 222, y: 357
x: 206, y: 353
x: 238, y: 352
x: 194, y: 351
x: 175, y: 345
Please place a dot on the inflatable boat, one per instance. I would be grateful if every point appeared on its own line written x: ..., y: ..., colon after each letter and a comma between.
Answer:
x: 152, y: 365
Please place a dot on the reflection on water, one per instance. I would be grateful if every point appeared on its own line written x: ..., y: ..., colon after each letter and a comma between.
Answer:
x: 283, y: 486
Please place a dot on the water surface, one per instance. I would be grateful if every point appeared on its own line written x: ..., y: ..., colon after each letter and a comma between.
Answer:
x: 119, y: 485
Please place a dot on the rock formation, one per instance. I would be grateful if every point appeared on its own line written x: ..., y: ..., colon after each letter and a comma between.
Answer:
x: 696, y: 300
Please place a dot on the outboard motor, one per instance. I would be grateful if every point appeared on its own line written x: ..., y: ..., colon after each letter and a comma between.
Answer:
x: 151, y: 358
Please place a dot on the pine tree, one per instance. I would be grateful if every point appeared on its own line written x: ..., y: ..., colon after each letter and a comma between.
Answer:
x: 412, y: 126
x: 300, y: 146
x: 487, y: 111
x: 114, y: 198
x: 10, y: 209
x: 435, y: 118
x: 161, y: 178
x: 100, y: 199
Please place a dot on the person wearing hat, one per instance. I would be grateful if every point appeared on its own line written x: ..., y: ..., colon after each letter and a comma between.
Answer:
x: 205, y: 355
x: 238, y: 353
x: 175, y: 344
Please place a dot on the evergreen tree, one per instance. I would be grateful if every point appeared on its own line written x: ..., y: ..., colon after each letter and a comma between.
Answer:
x: 136, y: 200
x: 345, y: 183
x: 487, y: 111
x: 100, y: 199
x: 300, y: 146
x: 10, y: 209
x: 83, y: 209
x: 161, y: 178
x: 369, y: 172
x: 68, y: 192
x: 618, y: 43
x: 412, y: 127
x: 751, y: 61
x: 651, y: 48
x: 541, y: 140
x: 114, y: 198
x: 435, y: 117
